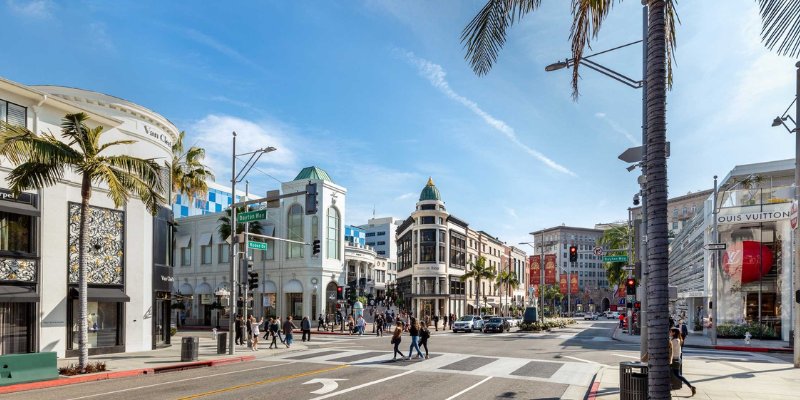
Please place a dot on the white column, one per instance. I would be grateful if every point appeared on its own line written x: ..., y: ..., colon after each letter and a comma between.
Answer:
x: 436, y: 305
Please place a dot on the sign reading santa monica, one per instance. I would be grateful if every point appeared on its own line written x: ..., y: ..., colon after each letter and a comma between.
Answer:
x: 770, y: 212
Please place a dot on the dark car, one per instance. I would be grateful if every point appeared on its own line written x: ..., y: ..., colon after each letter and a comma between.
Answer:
x: 496, y: 324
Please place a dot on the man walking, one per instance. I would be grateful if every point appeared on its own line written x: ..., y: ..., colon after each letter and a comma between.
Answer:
x: 288, y: 327
x: 305, y: 327
x: 320, y: 323
x: 436, y: 322
x: 239, y: 330
x: 361, y: 324
x: 379, y: 325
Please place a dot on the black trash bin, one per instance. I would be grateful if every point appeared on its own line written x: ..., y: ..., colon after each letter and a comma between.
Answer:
x: 222, y: 342
x: 632, y: 380
x: 189, y: 348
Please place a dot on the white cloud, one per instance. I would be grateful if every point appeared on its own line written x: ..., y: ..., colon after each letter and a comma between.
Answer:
x: 405, y: 196
x: 512, y: 213
x: 436, y: 76
x: 40, y: 9
x: 618, y: 128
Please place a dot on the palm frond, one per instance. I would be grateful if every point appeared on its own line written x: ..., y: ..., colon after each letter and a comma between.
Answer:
x: 588, y: 17
x: 21, y: 145
x: 485, y: 35
x: 34, y: 175
x: 74, y: 130
x: 113, y: 143
x: 780, y: 26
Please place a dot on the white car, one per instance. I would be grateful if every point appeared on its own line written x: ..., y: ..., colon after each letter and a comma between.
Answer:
x: 468, y: 323
x: 612, y: 315
x: 590, y: 316
x: 512, y: 322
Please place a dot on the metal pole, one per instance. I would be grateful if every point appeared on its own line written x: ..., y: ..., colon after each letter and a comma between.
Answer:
x: 643, y: 254
x: 714, y: 258
x: 245, y: 261
x: 796, y: 270
x: 541, y: 272
x: 234, y: 246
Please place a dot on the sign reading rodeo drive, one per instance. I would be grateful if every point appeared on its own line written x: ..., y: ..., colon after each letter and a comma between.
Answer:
x: 770, y: 212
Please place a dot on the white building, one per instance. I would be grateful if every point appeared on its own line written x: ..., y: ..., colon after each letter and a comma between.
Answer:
x: 129, y: 266
x: 381, y: 234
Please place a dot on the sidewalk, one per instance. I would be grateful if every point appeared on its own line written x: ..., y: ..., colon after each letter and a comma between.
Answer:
x: 165, y: 359
x: 704, y: 342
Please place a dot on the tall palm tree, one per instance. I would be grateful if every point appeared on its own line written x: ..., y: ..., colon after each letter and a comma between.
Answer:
x: 501, y: 279
x: 479, y: 271
x: 189, y: 174
x: 512, y: 283
x: 485, y: 35
x: 617, y: 237
x: 780, y: 25
x: 42, y: 159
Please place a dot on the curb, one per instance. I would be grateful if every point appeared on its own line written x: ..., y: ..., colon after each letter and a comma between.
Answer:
x: 101, y: 376
x: 592, y: 395
x: 721, y: 347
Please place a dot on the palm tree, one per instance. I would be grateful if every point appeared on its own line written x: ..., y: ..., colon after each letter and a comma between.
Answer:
x: 512, y: 283
x: 780, y: 25
x: 42, y: 159
x: 189, y: 174
x: 617, y: 237
x: 224, y: 228
x: 479, y: 271
x: 501, y: 279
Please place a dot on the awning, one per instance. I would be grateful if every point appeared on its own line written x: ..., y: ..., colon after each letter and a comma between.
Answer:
x: 18, y: 294
x: 293, y: 286
x: 184, y: 241
x: 205, y: 239
x: 19, y: 208
x: 186, y: 289
x: 268, y: 230
x: 203, y: 288
x: 270, y: 287
x: 102, y: 294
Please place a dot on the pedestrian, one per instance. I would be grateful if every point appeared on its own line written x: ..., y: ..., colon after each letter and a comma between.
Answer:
x: 413, y: 331
x: 424, y: 335
x: 273, y: 330
x: 396, y: 339
x: 288, y: 327
x: 350, y: 324
x: 361, y: 325
x: 320, y: 323
x: 305, y: 327
x: 444, y: 325
x: 239, y: 330
x: 254, y: 328
x: 684, y: 332
x: 379, y: 325
x: 675, y: 356
x: 621, y: 320
x: 436, y: 322
x: 280, y: 326
x: 452, y: 318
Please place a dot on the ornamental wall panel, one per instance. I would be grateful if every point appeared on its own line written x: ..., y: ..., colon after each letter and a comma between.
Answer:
x: 104, y: 247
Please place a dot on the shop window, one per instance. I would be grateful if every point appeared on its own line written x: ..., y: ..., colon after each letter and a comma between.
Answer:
x: 295, y: 231
x: 186, y: 256
x: 104, y: 321
x: 223, y: 253
x: 17, y: 328
x: 205, y: 252
x: 16, y: 232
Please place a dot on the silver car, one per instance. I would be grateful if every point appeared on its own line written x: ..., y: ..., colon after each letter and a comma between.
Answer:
x: 468, y: 323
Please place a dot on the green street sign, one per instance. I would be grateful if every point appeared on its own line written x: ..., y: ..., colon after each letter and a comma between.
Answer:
x: 256, y: 245
x: 615, y: 259
x: 251, y: 216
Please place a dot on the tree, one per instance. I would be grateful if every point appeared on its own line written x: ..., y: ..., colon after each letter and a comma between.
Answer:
x: 41, y: 160
x: 508, y: 281
x: 553, y: 294
x: 224, y: 228
x: 479, y: 271
x: 617, y: 237
x: 189, y: 174
x: 501, y: 279
x: 780, y: 26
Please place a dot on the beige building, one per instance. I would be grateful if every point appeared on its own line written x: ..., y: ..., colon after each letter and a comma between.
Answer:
x: 680, y: 209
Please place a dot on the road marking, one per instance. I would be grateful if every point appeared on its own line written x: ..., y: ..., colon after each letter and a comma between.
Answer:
x: 262, y: 382
x: 180, y: 380
x: 623, y: 355
x: 362, y: 386
x: 328, y: 384
x: 469, y: 388
x: 581, y: 360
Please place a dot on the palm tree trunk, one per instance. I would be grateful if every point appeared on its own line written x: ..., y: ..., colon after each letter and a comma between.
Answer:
x: 83, y: 333
x: 656, y: 164
x: 477, y: 296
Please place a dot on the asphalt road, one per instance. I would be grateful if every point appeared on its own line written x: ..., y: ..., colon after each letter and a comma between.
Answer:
x: 462, y: 365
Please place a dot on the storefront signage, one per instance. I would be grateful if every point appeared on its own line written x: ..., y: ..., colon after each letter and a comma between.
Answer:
x: 771, y: 212
x: 25, y: 198
x: 158, y: 135
x: 206, y: 299
x: 162, y: 278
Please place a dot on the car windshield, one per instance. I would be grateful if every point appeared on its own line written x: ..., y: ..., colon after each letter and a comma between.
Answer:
x: 496, y: 320
x: 466, y: 318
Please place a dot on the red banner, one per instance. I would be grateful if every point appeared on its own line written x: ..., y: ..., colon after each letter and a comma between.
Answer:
x: 573, y: 283
x: 562, y: 283
x: 536, y: 269
x: 550, y: 269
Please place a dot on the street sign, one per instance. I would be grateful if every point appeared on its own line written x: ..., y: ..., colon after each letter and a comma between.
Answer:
x: 256, y: 245
x: 716, y: 246
x: 615, y: 259
x: 629, y: 268
x: 634, y: 154
x: 598, y: 251
x: 621, y: 302
x: 251, y: 216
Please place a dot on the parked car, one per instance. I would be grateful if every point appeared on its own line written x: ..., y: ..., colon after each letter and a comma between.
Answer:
x: 612, y: 315
x: 512, y: 322
x: 590, y: 316
x: 578, y: 315
x: 468, y: 323
x: 496, y: 324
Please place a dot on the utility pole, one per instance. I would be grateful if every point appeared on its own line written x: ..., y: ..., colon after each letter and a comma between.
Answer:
x: 714, y: 266
x: 234, y: 255
x: 643, y: 232
x: 245, y: 262
x: 796, y: 253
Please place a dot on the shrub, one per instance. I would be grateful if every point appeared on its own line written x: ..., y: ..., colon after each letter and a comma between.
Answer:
x: 74, y: 369
x: 737, y: 331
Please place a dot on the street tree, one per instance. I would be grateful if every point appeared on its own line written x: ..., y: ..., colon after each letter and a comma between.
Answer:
x: 479, y: 271
x: 224, y: 228
x: 616, y: 237
x: 41, y: 160
x: 189, y: 173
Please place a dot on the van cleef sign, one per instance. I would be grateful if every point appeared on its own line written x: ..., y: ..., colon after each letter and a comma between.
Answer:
x: 162, y: 137
x: 769, y: 213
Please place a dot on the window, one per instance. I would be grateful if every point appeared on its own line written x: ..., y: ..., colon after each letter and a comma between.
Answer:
x: 381, y: 243
x: 427, y: 220
x: 295, y: 231
x: 205, y: 253
x: 14, y: 114
x: 370, y: 234
x: 223, y: 253
x: 675, y: 225
x: 370, y: 243
x: 16, y: 232
x: 381, y: 234
x: 333, y: 233
x: 17, y: 327
x: 186, y: 256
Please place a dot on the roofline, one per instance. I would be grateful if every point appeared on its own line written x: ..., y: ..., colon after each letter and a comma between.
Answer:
x: 534, y: 233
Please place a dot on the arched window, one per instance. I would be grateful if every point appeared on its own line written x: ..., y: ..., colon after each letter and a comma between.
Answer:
x: 333, y: 233
x: 295, y: 231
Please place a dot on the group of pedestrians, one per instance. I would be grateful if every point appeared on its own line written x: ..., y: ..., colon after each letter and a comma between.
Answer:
x: 273, y: 328
x: 419, y: 334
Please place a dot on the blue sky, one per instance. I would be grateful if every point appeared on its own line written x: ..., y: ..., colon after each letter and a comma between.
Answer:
x: 378, y: 94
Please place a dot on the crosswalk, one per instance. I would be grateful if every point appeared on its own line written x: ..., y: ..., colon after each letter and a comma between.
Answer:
x: 569, y: 373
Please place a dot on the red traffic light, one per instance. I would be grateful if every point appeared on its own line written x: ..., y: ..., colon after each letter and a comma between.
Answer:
x: 339, y: 289
x: 338, y: 306
x: 631, y: 282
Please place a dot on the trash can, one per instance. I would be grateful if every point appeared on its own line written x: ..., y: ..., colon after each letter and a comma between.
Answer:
x: 189, y: 348
x: 222, y: 342
x: 632, y: 380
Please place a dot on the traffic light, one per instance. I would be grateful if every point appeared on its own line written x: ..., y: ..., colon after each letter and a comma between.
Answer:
x: 316, y: 247
x: 311, y: 198
x: 630, y: 286
x: 252, y: 281
x: 573, y: 254
x: 339, y: 293
x: 637, y: 305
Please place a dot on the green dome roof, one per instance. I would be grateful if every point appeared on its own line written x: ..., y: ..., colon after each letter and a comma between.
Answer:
x: 430, y: 192
x: 313, y: 173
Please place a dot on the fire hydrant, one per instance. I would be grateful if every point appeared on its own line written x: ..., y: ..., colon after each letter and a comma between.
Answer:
x: 747, y: 337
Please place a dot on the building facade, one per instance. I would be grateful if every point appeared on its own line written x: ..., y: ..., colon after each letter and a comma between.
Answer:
x: 129, y: 255
x: 215, y: 201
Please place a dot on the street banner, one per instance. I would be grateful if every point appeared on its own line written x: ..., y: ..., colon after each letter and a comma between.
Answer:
x: 536, y: 268
x: 562, y: 283
x: 573, y: 281
x: 550, y: 269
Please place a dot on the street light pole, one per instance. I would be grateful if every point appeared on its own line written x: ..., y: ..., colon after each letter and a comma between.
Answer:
x: 796, y: 271
x: 234, y: 246
x: 714, y: 266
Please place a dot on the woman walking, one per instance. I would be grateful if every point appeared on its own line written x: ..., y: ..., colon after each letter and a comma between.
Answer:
x: 413, y: 331
x: 675, y: 345
x: 396, y: 339
x: 424, y: 335
x: 288, y: 327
